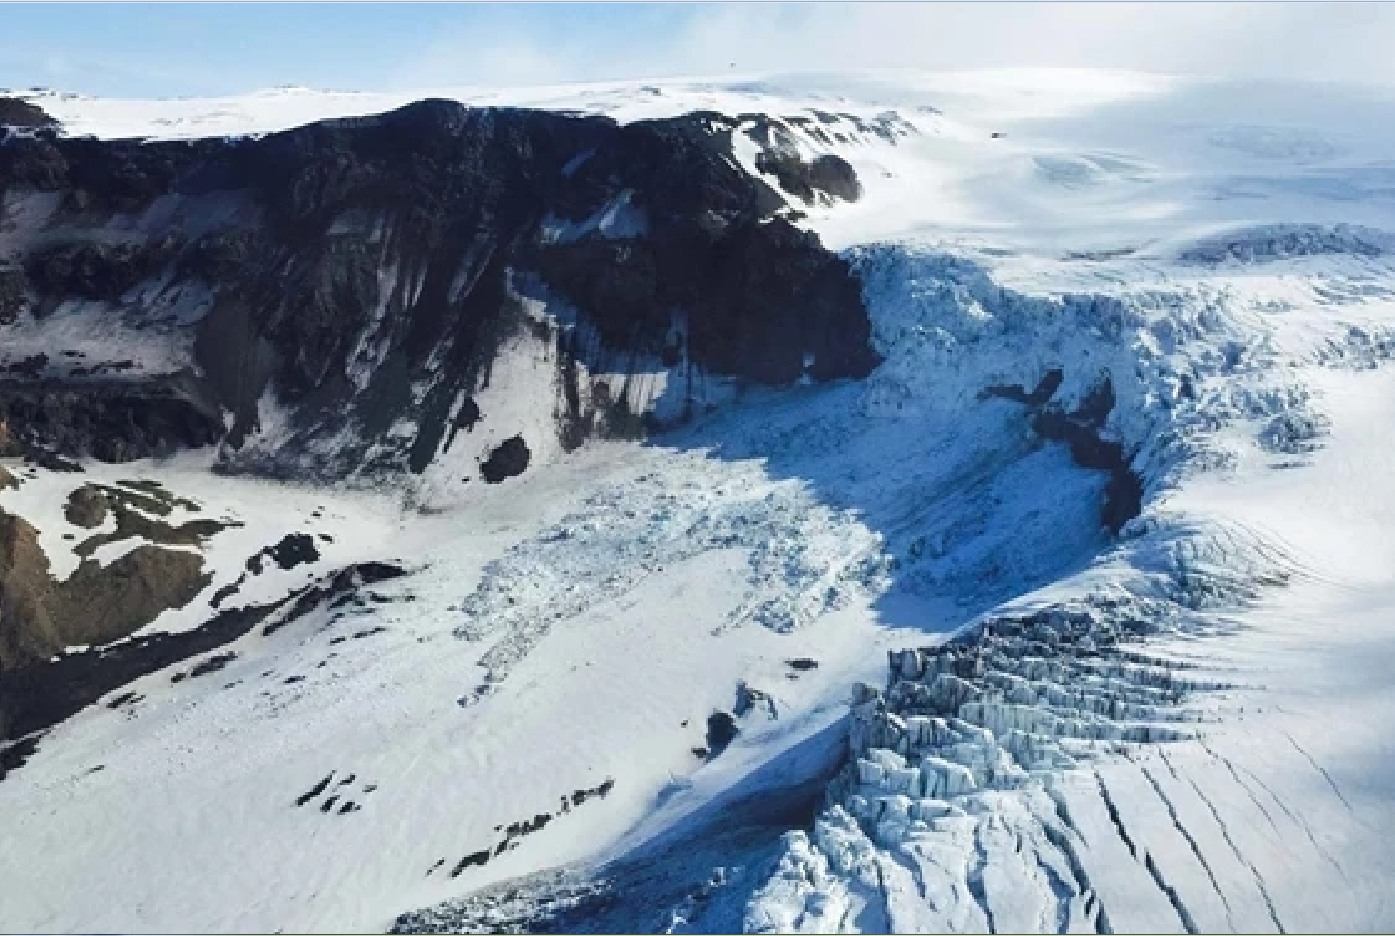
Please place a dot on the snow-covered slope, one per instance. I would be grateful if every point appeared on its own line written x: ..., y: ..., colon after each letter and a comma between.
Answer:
x: 613, y: 694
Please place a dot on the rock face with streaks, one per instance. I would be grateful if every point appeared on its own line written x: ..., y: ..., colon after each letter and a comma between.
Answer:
x: 361, y: 295
x: 110, y: 420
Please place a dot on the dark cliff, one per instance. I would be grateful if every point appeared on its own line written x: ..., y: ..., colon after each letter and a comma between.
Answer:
x: 363, y: 276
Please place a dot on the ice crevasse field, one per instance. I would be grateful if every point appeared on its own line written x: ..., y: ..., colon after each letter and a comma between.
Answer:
x: 856, y: 657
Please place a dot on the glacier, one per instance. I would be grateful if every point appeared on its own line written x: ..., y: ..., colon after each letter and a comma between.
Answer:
x: 1072, y: 616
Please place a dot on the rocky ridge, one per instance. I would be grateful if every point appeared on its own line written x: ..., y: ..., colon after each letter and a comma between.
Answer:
x: 340, y: 298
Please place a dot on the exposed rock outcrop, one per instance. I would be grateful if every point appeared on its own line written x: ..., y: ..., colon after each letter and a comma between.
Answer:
x: 1081, y: 430
x: 95, y: 269
x: 86, y: 507
x: 133, y: 525
x: 362, y: 277
x: 14, y: 294
x: 509, y: 460
x: 828, y: 175
x: 95, y: 605
x: 721, y: 731
x: 17, y: 112
x: 292, y: 550
x: 43, y: 692
x: 114, y: 420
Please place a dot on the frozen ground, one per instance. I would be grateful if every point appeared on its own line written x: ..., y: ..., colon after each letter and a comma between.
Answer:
x: 1182, y: 729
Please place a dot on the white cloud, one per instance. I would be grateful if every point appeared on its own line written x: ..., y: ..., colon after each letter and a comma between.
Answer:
x: 1334, y: 41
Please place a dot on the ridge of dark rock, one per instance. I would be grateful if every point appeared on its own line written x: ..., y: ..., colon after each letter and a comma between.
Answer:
x: 17, y: 112
x: 359, y: 272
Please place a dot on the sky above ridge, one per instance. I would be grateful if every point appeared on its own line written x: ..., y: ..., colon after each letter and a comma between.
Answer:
x: 155, y: 50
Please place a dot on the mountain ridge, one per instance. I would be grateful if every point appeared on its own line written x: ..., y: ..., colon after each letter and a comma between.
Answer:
x: 301, y: 260
x: 1071, y: 613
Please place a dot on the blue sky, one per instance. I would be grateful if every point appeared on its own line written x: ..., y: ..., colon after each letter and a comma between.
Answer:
x: 210, y: 49
x: 197, y: 49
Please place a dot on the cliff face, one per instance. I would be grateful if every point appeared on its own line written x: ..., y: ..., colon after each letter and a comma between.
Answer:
x: 359, y: 294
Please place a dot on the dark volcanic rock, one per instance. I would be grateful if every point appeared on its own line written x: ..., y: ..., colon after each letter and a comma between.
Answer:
x: 205, y: 666
x: 834, y: 175
x: 366, y: 271
x: 509, y: 460
x: 31, y: 160
x: 114, y: 420
x: 14, y: 294
x: 95, y: 269
x: 30, y: 366
x: 721, y: 731
x: 17, y: 112
x: 1080, y: 430
x: 293, y: 549
x: 759, y: 296
x: 828, y: 175
x: 1123, y: 497
x: 131, y: 524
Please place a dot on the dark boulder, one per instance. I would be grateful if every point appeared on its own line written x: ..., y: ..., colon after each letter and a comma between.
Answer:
x: 86, y: 507
x: 509, y: 460
x: 292, y: 550
x: 721, y: 731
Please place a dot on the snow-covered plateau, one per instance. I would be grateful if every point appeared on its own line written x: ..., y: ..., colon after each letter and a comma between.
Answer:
x: 1075, y: 614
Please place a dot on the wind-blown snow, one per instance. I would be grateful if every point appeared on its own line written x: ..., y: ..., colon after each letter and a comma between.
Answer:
x: 1183, y: 728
